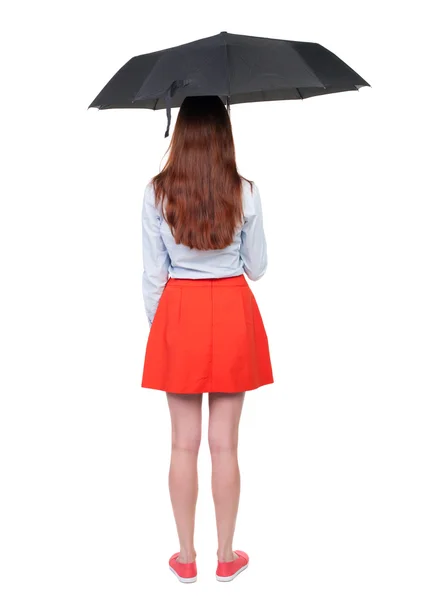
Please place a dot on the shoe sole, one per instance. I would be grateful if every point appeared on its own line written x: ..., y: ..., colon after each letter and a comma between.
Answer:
x: 183, y: 579
x: 231, y: 577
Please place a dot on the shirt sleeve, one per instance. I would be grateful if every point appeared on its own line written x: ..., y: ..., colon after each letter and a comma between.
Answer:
x: 155, y: 256
x: 253, y: 246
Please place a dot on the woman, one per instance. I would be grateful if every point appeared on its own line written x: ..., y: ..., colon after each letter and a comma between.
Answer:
x: 202, y: 225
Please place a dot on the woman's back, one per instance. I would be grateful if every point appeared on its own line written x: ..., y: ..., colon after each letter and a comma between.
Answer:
x: 162, y: 256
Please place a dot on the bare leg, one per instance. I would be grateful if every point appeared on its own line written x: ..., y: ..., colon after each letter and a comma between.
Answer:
x: 225, y: 412
x: 185, y: 413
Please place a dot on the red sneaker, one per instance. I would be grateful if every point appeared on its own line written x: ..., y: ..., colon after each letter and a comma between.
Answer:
x: 226, y: 571
x: 185, y: 572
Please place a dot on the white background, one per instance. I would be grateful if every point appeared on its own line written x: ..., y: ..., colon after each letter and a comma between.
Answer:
x: 331, y: 452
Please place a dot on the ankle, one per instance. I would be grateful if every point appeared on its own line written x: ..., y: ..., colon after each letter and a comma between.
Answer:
x: 226, y: 555
x: 186, y: 556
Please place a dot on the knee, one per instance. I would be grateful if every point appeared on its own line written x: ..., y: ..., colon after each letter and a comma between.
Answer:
x: 186, y: 442
x: 222, y: 443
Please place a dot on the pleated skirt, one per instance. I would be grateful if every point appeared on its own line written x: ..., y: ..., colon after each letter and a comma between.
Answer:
x: 207, y: 335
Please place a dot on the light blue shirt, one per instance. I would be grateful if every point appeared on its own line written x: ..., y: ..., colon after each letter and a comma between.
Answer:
x: 162, y: 257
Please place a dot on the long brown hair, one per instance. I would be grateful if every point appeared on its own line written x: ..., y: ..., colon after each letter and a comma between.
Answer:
x: 200, y: 180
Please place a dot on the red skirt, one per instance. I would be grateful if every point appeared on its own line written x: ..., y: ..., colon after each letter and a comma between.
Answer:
x: 207, y: 335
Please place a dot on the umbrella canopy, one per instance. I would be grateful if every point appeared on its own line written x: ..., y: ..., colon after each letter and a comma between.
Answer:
x: 237, y: 68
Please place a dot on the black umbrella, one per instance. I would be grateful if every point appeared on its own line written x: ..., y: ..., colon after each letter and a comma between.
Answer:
x: 237, y: 68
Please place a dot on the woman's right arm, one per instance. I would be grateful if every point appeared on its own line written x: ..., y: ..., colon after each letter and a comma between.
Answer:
x: 253, y: 246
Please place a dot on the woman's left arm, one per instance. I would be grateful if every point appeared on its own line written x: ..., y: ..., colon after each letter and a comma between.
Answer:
x: 155, y: 256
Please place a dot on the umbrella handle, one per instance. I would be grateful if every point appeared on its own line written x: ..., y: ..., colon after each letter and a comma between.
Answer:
x: 178, y: 83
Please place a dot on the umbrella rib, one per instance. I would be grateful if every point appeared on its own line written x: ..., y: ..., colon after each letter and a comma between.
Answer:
x: 148, y: 77
x: 307, y: 66
x: 298, y: 91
